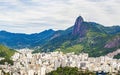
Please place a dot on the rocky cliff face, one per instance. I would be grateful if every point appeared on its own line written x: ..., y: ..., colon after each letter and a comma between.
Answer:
x: 113, y: 43
x: 79, y: 28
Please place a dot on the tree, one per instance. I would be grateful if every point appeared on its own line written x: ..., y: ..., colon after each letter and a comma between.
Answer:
x: 70, y: 71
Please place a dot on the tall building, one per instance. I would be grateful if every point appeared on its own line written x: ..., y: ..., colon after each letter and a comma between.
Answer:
x: 43, y: 70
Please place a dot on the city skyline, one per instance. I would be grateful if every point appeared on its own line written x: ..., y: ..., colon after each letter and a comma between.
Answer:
x: 33, y: 16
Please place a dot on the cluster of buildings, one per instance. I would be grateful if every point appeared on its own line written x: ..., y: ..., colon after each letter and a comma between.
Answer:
x: 26, y: 63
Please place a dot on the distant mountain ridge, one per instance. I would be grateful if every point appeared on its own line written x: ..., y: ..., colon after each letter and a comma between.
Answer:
x: 18, y: 40
x: 89, y: 37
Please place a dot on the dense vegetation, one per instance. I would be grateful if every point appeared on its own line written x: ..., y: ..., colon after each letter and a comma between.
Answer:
x: 6, y: 53
x: 117, y: 56
x: 70, y: 71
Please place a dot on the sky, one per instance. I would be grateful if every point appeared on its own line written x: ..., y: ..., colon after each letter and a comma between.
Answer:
x: 34, y: 16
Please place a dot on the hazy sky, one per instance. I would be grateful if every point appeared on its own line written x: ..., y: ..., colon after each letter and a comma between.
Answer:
x: 30, y: 16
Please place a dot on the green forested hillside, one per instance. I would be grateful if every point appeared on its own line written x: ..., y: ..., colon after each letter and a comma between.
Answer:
x: 6, y: 53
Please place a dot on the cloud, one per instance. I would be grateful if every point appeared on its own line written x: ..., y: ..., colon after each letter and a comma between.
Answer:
x: 30, y: 16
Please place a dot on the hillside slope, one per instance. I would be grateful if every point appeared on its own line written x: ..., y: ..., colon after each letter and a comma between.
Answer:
x: 6, y: 53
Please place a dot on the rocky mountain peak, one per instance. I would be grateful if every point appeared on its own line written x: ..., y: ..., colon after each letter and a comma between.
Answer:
x: 79, y: 20
x: 78, y: 28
